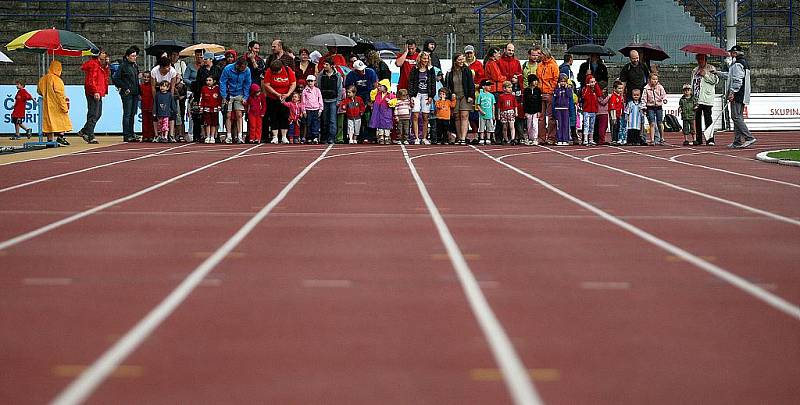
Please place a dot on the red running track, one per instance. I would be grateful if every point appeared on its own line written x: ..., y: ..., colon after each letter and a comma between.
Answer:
x: 344, y: 293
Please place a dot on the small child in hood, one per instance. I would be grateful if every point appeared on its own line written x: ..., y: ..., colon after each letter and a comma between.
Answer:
x: 382, y: 103
x: 148, y: 124
x: 256, y: 108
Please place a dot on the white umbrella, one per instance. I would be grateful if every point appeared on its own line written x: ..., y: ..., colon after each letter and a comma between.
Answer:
x: 330, y: 39
x: 4, y: 58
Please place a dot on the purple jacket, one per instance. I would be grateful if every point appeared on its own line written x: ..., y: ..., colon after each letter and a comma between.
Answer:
x: 381, y: 112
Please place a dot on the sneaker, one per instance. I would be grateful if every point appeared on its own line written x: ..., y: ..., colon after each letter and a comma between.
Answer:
x: 28, y: 132
x: 750, y: 142
x: 710, y: 143
x: 686, y: 143
x: 734, y: 145
x: 315, y: 141
x: 426, y: 142
x: 61, y: 140
x: 228, y: 140
x: 284, y: 140
x: 275, y: 140
x: 405, y: 142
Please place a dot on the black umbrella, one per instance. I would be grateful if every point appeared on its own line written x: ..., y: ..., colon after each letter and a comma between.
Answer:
x: 385, y: 46
x: 647, y: 51
x: 165, y: 45
x: 590, y: 49
x: 363, y: 45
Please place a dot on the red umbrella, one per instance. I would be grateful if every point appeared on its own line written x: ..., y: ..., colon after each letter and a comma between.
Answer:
x: 705, y: 49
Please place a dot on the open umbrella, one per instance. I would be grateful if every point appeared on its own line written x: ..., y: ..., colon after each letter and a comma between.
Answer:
x: 165, y: 45
x: 705, y: 49
x: 214, y: 48
x: 385, y: 46
x: 362, y: 46
x: 54, y: 42
x: 5, y: 59
x: 330, y: 39
x: 589, y: 49
x: 646, y: 50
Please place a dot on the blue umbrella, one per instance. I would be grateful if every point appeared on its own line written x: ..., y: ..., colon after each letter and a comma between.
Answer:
x: 385, y: 46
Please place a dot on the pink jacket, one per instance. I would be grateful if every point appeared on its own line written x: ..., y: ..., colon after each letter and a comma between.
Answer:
x: 312, y: 98
x: 654, y: 97
x: 295, y: 110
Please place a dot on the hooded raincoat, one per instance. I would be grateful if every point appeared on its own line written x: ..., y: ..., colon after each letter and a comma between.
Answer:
x: 55, y: 117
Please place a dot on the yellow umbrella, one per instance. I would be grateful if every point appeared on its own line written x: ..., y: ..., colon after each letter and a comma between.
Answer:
x: 189, y: 51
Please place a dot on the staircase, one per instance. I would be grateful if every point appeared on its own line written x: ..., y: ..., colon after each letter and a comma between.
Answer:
x: 760, y: 21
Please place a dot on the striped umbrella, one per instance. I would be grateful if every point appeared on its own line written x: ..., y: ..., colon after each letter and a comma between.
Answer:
x: 54, y: 42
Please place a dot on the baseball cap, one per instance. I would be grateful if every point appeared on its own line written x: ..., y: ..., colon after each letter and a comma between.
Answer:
x: 359, y: 65
x: 469, y: 48
x: 686, y: 86
x: 486, y: 83
x: 311, y: 78
x: 208, y: 55
x: 736, y: 48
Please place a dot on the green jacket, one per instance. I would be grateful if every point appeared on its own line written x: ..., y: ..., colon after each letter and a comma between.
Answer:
x: 687, y: 106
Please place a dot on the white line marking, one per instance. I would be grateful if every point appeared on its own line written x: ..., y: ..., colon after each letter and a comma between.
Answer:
x: 80, y: 389
x: 605, y: 285
x: 686, y: 190
x: 739, y: 282
x: 749, y: 176
x: 49, y: 227
x: 327, y: 283
x: 3, y: 190
x: 51, y: 157
x: 514, y: 372
x: 47, y: 281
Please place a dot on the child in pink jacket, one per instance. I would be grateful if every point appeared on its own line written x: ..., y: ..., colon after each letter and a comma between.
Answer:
x: 654, y: 97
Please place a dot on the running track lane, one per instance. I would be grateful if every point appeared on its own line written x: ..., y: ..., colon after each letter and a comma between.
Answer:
x: 63, y: 307
x: 605, y: 317
x: 342, y: 295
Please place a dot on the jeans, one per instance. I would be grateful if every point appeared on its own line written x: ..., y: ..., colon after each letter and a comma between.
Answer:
x: 622, y: 135
x: 94, y: 109
x: 130, y: 104
x: 588, y: 126
x: 655, y: 116
x: 740, y: 129
x: 329, y: 118
x: 312, y: 117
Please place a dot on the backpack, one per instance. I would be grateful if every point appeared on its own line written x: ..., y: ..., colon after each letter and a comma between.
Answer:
x: 671, y: 123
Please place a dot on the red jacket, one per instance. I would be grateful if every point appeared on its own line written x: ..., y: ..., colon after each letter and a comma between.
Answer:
x: 590, y: 96
x: 506, y: 102
x: 257, y: 104
x: 354, y: 107
x: 510, y: 67
x: 477, y: 72
x: 493, y: 73
x: 616, y: 103
x: 96, y: 77
x: 146, y: 91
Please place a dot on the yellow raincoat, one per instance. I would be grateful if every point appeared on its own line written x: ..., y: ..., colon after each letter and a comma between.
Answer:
x: 55, y: 117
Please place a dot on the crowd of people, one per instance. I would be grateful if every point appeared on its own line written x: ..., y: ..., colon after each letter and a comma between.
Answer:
x: 306, y: 97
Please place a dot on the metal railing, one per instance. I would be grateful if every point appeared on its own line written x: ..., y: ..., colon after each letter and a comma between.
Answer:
x: 151, y: 11
x: 752, y: 26
x: 564, y: 19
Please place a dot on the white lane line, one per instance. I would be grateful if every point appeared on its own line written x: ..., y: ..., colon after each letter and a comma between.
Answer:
x: 80, y: 389
x: 72, y: 218
x: 514, y: 372
x: 57, y: 281
x: 327, y: 283
x: 749, y: 176
x: 739, y: 282
x: 537, y: 152
x: 276, y: 152
x: 3, y: 190
x: 687, y: 190
x: 605, y: 285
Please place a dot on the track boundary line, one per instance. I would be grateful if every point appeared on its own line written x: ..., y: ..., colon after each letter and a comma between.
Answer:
x: 737, y: 281
x: 77, y: 152
x: 72, y: 218
x: 513, y: 370
x: 686, y: 190
x: 81, y: 388
x: 750, y: 176
x: 87, y: 169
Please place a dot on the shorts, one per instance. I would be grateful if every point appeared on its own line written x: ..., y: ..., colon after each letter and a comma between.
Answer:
x: 17, y: 121
x: 211, y: 119
x: 236, y: 103
x: 486, y: 125
x: 421, y: 104
x: 463, y: 105
x: 507, y: 116
x: 163, y: 124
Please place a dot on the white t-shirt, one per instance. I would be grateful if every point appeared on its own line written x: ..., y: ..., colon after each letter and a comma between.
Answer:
x: 158, y: 77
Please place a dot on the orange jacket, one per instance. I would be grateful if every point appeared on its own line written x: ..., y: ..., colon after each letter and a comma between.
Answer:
x: 547, y: 73
x: 443, y: 108
x: 493, y: 73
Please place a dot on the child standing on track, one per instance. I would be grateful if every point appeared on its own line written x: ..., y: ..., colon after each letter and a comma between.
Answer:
x: 591, y: 94
x: 688, y: 105
x: 532, y: 101
x: 507, y: 107
x: 633, y: 112
x: 164, y: 105
x: 354, y: 108
x: 485, y: 104
x: 382, y: 103
x: 602, y: 115
x: 296, y: 111
x: 402, y: 116
x: 444, y: 106
x: 256, y: 107
x: 210, y: 103
x: 18, y: 113
x: 312, y: 102
x: 563, y: 106
x: 148, y: 124
x: 654, y: 98
x: 616, y: 106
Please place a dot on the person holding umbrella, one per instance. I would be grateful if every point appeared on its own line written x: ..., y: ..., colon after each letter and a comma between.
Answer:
x: 127, y: 82
x: 55, y: 110
x: 95, y: 85
x: 704, y: 80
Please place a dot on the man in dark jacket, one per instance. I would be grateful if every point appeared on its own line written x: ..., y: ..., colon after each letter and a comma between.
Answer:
x: 126, y: 79
x: 634, y: 74
x: 430, y: 47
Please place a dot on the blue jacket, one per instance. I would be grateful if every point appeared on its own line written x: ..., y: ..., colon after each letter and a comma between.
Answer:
x: 364, y: 84
x: 233, y: 83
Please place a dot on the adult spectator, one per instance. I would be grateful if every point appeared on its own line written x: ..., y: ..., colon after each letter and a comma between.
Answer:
x: 330, y: 85
x: 229, y: 57
x: 704, y: 80
x: 234, y: 89
x: 127, y: 82
x: 462, y: 87
x: 492, y: 70
x: 530, y: 66
x: 278, y: 85
x: 55, y: 110
x: 738, y: 93
x: 177, y: 63
x: 430, y: 47
x: 377, y: 64
x: 334, y: 56
x: 566, y: 67
x: 254, y: 61
x: 364, y: 79
x: 634, y: 74
x: 547, y: 72
x: 593, y: 66
x: 478, y: 75
x: 95, y: 87
x: 207, y: 69
x: 422, y: 89
x: 164, y: 72
x: 304, y: 67
x: 280, y: 53
x: 190, y: 73
x: 406, y: 62
x: 509, y: 64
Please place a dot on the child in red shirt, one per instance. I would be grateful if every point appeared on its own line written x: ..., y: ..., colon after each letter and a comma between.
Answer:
x: 18, y: 113
x: 296, y: 112
x: 507, y: 105
x: 148, y: 124
x: 615, y: 105
x: 256, y: 107
x: 590, y: 94
x: 210, y: 104
x: 354, y: 108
